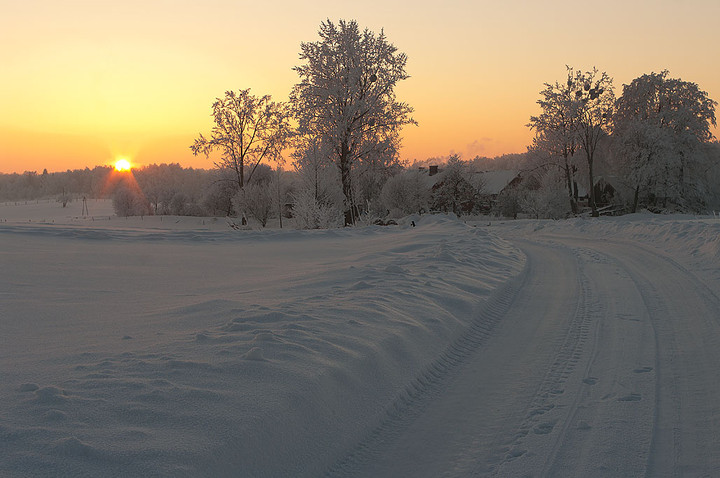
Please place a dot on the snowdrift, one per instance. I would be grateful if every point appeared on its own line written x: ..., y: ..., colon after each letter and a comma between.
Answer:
x: 139, y: 348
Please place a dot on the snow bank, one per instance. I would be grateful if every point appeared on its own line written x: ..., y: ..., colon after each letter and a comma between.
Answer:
x: 137, y: 351
x: 694, y: 238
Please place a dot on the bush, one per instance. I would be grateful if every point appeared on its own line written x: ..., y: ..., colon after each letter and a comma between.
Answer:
x: 130, y: 202
x: 406, y: 193
x: 256, y: 200
x: 311, y: 214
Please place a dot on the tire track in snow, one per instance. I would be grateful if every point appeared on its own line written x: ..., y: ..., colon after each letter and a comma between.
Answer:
x: 685, y: 316
x: 542, y: 418
x: 601, y: 424
x: 410, y: 403
x: 656, y: 421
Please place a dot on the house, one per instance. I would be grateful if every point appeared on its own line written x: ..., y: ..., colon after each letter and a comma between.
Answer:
x: 476, y: 191
x: 494, y: 183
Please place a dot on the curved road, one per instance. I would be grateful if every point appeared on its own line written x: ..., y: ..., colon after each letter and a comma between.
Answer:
x: 600, y: 359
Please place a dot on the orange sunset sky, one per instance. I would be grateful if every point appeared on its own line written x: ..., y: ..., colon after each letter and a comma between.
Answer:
x: 84, y: 82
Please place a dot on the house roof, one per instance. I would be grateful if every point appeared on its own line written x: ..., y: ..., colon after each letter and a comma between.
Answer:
x: 496, y: 181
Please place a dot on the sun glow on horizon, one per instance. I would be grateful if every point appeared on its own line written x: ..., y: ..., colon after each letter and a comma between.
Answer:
x: 122, y: 165
x: 73, y: 94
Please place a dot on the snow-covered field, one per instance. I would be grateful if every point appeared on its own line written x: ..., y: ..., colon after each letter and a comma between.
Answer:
x: 180, y: 347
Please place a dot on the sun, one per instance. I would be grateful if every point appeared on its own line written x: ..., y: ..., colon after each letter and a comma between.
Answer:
x: 122, y: 164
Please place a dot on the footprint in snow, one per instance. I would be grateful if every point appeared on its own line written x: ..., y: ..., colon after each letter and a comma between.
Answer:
x: 544, y: 428
x: 28, y: 387
x: 50, y: 396
x: 361, y: 286
x: 255, y: 354
x: 394, y: 269
x: 583, y: 425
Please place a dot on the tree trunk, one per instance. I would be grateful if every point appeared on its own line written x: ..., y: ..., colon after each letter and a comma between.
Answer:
x: 636, y: 199
x: 346, y: 185
x: 568, y: 178
x: 242, y: 175
x: 593, y: 205
x: 681, y: 178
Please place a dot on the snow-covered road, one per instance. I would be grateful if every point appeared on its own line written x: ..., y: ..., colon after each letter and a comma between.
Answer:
x: 601, y: 359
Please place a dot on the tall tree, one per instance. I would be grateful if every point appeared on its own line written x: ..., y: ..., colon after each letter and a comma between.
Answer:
x: 556, y: 130
x: 660, y: 124
x: 346, y: 97
x: 594, y: 101
x: 248, y: 129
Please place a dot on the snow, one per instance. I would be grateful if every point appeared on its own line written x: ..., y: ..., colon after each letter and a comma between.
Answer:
x: 133, y: 349
x: 180, y: 347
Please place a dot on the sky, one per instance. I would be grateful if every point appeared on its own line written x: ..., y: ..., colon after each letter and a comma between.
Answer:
x: 84, y: 82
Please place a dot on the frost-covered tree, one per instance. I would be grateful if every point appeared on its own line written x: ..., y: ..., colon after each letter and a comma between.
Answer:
x: 457, y: 189
x: 161, y: 182
x: 407, y: 193
x: 369, y: 177
x: 508, y: 203
x: 315, y: 169
x: 556, y: 130
x: 129, y: 201
x: 660, y: 125
x: 712, y: 150
x: 218, y: 196
x: 594, y: 102
x: 549, y: 200
x: 248, y: 130
x: 318, y: 192
x: 257, y: 200
x: 309, y: 213
x: 346, y: 98
x: 576, y: 115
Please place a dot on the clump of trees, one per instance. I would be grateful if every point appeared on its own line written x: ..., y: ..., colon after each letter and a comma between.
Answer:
x: 65, y: 186
x: 457, y: 190
x: 655, y: 139
x: 408, y: 192
x: 576, y: 115
x: 651, y: 147
x: 348, y: 121
x: 662, y: 131
x: 248, y: 130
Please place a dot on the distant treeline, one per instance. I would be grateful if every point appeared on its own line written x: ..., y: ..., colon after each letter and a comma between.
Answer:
x: 33, y: 185
x: 158, y: 183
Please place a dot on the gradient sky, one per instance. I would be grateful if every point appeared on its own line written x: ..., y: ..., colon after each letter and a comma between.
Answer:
x: 83, y: 82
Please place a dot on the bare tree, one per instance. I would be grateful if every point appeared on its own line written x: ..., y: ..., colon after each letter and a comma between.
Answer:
x: 346, y: 97
x: 248, y: 129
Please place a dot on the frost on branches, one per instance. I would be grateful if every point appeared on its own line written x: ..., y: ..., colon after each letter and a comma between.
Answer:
x: 345, y: 99
x: 576, y: 116
x: 661, y: 127
x: 248, y: 129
